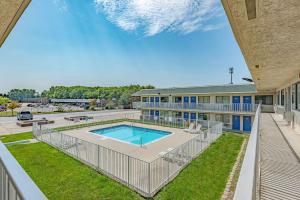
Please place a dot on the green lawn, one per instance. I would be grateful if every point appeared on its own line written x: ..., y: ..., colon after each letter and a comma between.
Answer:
x: 62, y: 177
x: 206, y: 177
x: 16, y: 137
x: 8, y: 114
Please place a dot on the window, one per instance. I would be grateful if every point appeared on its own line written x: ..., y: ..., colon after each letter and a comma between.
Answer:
x: 294, y: 86
x: 164, y: 99
x: 203, y: 99
x: 282, y: 97
x: 264, y: 99
x: 278, y: 98
x: 223, y: 99
x: 203, y: 116
x: 178, y: 99
x: 298, y: 96
x: 223, y: 118
x: 145, y: 99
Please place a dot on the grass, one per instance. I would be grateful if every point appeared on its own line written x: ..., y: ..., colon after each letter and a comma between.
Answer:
x: 206, y: 177
x: 16, y: 137
x: 62, y: 177
x: 8, y: 114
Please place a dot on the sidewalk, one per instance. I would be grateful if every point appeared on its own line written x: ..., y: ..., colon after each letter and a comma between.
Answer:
x: 289, y: 133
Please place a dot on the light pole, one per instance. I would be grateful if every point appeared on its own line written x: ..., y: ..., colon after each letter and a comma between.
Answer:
x: 231, y: 72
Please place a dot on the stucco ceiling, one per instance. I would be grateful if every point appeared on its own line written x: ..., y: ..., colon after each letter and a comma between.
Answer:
x: 10, y: 12
x: 268, y: 33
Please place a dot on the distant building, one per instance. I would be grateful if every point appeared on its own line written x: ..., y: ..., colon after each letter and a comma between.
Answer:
x: 234, y: 105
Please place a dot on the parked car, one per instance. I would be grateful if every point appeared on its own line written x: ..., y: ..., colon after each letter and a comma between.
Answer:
x: 24, y: 115
x: 30, y: 105
x: 2, y: 108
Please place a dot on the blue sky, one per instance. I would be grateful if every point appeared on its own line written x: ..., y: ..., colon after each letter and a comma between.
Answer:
x: 108, y: 43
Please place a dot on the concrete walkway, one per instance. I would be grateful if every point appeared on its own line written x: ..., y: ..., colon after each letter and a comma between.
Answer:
x: 292, y: 135
x: 280, y: 167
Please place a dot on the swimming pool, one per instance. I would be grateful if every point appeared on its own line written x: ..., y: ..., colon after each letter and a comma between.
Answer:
x: 132, y: 134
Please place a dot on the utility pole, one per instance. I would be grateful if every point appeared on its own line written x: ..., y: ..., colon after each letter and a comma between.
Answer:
x: 231, y: 72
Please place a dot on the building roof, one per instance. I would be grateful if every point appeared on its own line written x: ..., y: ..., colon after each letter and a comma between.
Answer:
x: 268, y: 33
x: 10, y: 12
x: 236, y: 88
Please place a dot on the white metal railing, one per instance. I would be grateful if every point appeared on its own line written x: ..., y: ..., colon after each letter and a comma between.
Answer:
x: 14, y: 182
x: 145, y: 177
x: 208, y: 107
x: 248, y: 182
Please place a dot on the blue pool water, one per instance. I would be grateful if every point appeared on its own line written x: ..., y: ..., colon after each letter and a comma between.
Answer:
x: 132, y: 134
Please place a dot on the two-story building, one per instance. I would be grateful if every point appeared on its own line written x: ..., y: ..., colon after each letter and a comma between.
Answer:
x: 232, y: 104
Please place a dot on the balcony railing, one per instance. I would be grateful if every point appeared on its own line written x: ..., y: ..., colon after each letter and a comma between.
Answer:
x: 248, y: 183
x: 14, y: 182
x: 206, y: 107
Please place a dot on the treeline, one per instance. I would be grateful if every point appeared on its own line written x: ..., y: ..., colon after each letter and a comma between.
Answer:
x: 83, y: 92
x: 21, y: 94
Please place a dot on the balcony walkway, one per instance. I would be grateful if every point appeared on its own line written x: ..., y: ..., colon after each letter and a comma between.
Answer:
x: 280, y: 167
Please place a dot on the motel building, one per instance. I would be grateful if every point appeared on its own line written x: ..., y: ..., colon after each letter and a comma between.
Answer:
x: 268, y: 34
x: 233, y: 104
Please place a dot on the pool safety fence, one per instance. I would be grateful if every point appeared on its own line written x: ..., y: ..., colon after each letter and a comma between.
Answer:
x: 145, y: 177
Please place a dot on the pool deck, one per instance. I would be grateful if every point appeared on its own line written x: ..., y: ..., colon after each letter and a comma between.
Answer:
x: 148, y: 152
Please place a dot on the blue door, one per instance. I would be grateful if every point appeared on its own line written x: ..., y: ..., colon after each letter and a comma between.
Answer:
x: 157, y: 113
x: 151, y: 114
x: 151, y: 99
x: 193, y: 116
x: 193, y: 102
x: 236, y: 100
x: 247, y: 123
x: 186, y: 101
x: 247, y: 103
x: 156, y: 101
x: 236, y: 122
x: 186, y: 115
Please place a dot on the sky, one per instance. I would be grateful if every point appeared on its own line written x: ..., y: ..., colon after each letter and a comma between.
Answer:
x: 164, y: 43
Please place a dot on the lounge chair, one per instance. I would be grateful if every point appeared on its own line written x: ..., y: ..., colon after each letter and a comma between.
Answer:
x: 191, y: 128
x: 197, y: 130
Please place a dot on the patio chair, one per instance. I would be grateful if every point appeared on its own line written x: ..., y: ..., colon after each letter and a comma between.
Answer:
x: 197, y: 130
x: 191, y: 128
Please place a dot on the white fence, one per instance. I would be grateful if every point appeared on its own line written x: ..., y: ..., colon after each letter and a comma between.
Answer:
x: 15, y: 184
x: 147, y: 178
x: 248, y: 182
x: 208, y: 107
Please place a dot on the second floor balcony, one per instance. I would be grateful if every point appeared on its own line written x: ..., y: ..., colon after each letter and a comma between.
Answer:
x: 201, y: 107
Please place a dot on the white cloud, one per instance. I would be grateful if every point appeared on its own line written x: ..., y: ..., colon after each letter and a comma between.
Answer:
x: 155, y: 16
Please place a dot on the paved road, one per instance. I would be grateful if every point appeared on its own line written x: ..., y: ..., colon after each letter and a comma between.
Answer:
x: 8, y: 124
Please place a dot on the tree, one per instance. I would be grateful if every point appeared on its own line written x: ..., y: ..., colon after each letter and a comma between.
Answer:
x: 110, y: 105
x: 4, y: 101
x: 13, y: 105
x: 21, y: 94
x: 125, y: 99
x: 93, y: 102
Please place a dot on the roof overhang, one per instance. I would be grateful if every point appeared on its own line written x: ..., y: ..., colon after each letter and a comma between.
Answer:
x: 10, y: 12
x: 268, y: 33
